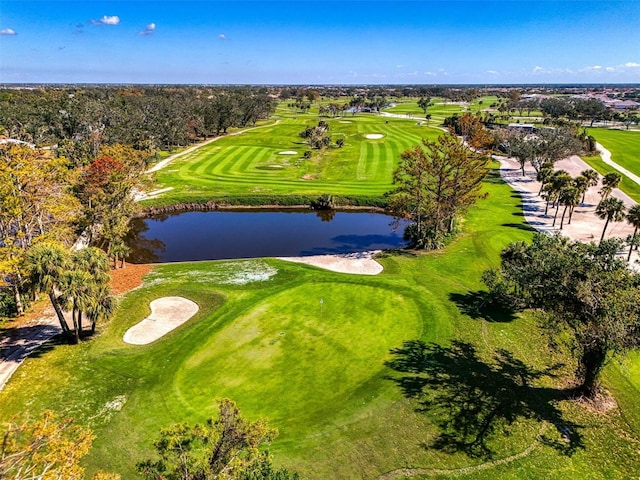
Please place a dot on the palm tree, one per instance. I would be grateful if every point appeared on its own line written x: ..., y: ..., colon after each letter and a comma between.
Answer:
x: 76, y: 287
x: 84, y: 285
x: 582, y: 184
x: 593, y: 178
x: 119, y: 251
x: 94, y: 261
x: 610, y: 209
x: 633, y: 217
x: 609, y: 182
x: 101, y: 306
x: 560, y: 180
x: 544, y: 175
x: 46, y: 263
x: 569, y: 197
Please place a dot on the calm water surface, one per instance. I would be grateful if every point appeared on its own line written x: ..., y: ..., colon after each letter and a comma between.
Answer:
x: 222, y: 235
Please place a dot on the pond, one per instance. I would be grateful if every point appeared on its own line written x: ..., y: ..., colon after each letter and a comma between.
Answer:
x: 219, y: 235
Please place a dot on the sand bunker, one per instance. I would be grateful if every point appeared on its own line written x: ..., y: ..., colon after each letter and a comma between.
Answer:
x: 360, y: 263
x: 374, y: 136
x: 288, y: 152
x: 167, y: 313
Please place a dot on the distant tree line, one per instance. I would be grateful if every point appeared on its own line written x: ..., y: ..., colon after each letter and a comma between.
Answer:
x: 78, y: 121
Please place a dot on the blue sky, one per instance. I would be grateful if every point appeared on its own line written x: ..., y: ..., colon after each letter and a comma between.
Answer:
x: 319, y: 42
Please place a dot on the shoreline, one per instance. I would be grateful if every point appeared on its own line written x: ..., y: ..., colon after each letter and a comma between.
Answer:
x: 214, y: 207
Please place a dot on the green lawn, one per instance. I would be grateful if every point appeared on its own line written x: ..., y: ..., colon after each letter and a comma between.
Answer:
x: 250, y: 168
x: 627, y: 185
x: 623, y: 145
x: 439, y: 109
x: 625, y: 151
x: 320, y: 377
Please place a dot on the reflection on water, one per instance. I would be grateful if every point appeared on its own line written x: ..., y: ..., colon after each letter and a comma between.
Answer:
x: 219, y: 235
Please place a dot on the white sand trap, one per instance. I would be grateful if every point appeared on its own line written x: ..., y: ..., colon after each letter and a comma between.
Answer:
x: 167, y: 313
x: 374, y: 136
x: 345, y: 121
x: 288, y: 152
x: 361, y: 263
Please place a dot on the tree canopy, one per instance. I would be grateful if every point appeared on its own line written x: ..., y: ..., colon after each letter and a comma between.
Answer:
x: 434, y: 185
x: 223, y: 448
x: 47, y: 448
x: 579, y: 289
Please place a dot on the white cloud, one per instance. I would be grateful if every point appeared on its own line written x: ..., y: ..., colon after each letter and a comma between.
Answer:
x: 632, y: 65
x: 222, y: 36
x: 595, y: 67
x: 148, y: 30
x: 610, y: 69
x: 537, y: 69
x: 8, y: 31
x: 493, y: 72
x: 430, y: 74
x: 399, y: 66
x: 107, y: 20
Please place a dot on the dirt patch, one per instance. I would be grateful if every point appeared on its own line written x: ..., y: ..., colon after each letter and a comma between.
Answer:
x: 167, y: 313
x: 602, y: 402
x: 128, y: 278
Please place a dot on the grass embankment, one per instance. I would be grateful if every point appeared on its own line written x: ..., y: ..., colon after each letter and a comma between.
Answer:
x: 250, y: 169
x: 261, y: 339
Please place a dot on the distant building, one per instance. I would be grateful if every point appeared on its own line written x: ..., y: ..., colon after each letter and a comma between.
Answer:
x: 624, y: 105
x: 523, y: 127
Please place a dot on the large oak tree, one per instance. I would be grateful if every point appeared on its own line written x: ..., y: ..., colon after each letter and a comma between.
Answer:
x: 582, y: 292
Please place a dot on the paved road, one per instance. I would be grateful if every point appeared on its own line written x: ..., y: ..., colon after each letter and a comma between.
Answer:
x: 16, y: 344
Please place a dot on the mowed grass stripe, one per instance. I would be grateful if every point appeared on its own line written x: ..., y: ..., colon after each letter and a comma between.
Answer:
x: 229, y: 164
x: 366, y: 151
x: 231, y: 167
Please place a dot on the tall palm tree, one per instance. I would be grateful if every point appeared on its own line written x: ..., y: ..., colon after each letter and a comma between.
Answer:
x: 633, y: 217
x: 101, y: 306
x: 76, y: 287
x: 570, y: 197
x: 610, y: 209
x: 544, y: 176
x: 119, y: 251
x: 582, y: 184
x: 94, y: 261
x: 560, y: 180
x: 609, y: 182
x: 592, y: 176
x: 46, y: 263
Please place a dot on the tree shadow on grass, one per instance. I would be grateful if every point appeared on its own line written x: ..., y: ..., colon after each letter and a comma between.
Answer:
x: 473, y: 401
x: 478, y: 305
x: 493, y: 177
x: 520, y: 226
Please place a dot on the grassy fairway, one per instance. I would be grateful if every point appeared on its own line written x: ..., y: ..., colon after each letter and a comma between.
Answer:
x: 623, y: 145
x: 320, y: 377
x: 625, y: 151
x: 439, y: 110
x: 251, y: 169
